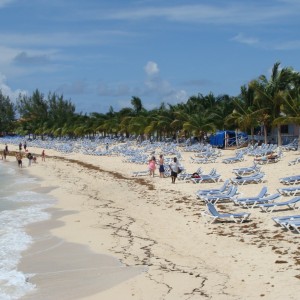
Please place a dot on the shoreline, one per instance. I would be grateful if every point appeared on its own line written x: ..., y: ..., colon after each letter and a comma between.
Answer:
x: 150, y: 223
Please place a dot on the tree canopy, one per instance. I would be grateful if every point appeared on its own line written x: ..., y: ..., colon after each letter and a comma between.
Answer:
x: 264, y: 102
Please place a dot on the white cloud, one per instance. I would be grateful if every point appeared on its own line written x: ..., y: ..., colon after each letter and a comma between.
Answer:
x: 241, y: 38
x: 7, y: 91
x: 151, y: 68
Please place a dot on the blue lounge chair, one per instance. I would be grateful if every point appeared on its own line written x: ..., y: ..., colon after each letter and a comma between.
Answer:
x: 292, y: 203
x: 289, y: 191
x: 231, y: 160
x: 214, y: 215
x: 251, y: 203
x: 261, y: 194
x: 212, y: 176
x: 290, y: 180
x: 285, y: 219
x: 222, y: 189
x: 214, y: 198
x: 246, y: 170
x: 254, y: 178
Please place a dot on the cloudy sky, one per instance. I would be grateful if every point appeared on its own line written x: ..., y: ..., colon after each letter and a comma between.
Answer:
x: 100, y: 53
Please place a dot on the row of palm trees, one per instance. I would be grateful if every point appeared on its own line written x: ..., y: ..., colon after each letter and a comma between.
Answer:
x: 267, y: 103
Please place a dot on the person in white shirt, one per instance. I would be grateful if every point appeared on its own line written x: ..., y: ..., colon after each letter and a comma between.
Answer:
x: 174, y: 166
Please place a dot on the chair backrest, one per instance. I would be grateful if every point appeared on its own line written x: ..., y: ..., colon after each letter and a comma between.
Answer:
x: 233, y: 191
x: 272, y: 197
x: 212, y: 209
x: 262, y: 192
x: 224, y: 186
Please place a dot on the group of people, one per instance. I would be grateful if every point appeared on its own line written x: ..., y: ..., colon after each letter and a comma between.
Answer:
x: 30, y: 156
x: 174, y: 167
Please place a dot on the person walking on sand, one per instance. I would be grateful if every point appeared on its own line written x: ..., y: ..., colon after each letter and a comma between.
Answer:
x: 19, y: 159
x: 174, y: 167
x: 161, y: 166
x: 152, y: 166
x: 43, y: 155
x: 25, y: 146
x: 20, y: 146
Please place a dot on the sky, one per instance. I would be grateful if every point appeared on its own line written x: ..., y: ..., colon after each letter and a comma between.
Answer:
x: 100, y: 53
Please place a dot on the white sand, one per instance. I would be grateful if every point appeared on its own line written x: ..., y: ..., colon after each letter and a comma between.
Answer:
x: 152, y: 224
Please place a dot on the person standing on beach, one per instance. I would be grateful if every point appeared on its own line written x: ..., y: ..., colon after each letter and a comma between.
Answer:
x: 19, y: 159
x: 30, y: 157
x: 174, y: 166
x: 20, y: 146
x: 25, y: 146
x: 4, y: 154
x: 43, y: 155
x: 6, y: 148
x: 161, y: 166
x: 152, y: 166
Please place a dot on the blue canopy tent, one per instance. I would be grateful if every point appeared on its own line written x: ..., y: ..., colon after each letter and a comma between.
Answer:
x: 218, y: 139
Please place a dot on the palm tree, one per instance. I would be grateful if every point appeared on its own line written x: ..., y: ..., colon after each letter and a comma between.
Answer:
x: 245, y: 114
x: 199, y: 124
x: 269, y: 94
x: 290, y: 110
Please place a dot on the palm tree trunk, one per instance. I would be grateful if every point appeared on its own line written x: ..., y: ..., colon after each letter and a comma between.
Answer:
x: 279, y: 142
x: 265, y: 134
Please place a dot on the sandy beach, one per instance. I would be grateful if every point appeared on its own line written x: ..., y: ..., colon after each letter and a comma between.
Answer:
x: 114, y: 236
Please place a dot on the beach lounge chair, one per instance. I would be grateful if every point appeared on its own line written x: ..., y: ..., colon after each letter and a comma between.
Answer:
x: 269, y: 207
x: 213, y: 214
x: 254, y: 178
x: 247, y: 170
x: 294, y: 162
x: 251, y: 203
x: 204, y: 160
x: 289, y: 222
x: 261, y: 194
x: 285, y: 219
x: 290, y: 180
x: 231, y: 160
x: 140, y: 173
x: 214, y: 191
x: 289, y: 191
x: 212, y: 176
x: 184, y: 176
x: 214, y: 198
x: 207, y: 178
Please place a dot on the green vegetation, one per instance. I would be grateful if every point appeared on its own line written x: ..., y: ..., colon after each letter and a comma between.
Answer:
x: 263, y: 102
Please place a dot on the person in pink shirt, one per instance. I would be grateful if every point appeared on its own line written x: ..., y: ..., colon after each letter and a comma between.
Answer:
x: 152, y: 166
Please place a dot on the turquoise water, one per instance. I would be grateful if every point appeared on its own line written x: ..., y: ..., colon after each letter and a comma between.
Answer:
x: 20, y: 206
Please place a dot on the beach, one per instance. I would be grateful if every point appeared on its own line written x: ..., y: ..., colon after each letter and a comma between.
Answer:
x: 115, y: 236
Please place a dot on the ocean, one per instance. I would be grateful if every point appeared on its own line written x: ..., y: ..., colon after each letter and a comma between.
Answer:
x: 20, y: 205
